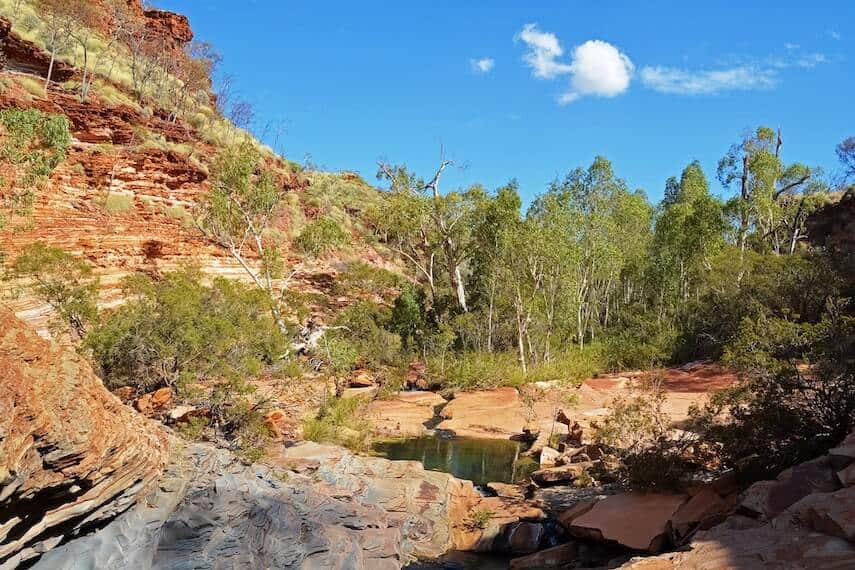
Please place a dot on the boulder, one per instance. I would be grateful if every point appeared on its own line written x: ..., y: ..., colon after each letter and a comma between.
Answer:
x: 847, y: 476
x: 367, y: 393
x: 563, y: 475
x: 567, y: 516
x: 639, y: 521
x: 702, y: 507
x: 508, y: 491
x: 549, y: 457
x: 155, y: 402
x: 767, y: 499
x: 361, y: 379
x: 844, y: 454
x: 829, y: 513
x: 524, y: 537
x: 558, y: 557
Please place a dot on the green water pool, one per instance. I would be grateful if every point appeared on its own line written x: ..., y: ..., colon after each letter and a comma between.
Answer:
x: 479, y: 460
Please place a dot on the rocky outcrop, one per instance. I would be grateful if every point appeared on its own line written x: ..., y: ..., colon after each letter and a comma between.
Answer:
x: 423, y: 504
x: 833, y: 228
x: 803, y: 519
x: 211, y: 511
x: 72, y: 456
x: 488, y: 413
x: 407, y: 414
x: 26, y: 57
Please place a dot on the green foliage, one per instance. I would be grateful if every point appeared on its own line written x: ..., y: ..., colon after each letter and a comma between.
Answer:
x: 479, y: 519
x: 363, y: 277
x: 177, y: 332
x: 343, y: 421
x: 799, y: 398
x: 409, y: 317
x: 63, y: 281
x: 34, y: 143
x: 360, y: 339
x: 321, y: 236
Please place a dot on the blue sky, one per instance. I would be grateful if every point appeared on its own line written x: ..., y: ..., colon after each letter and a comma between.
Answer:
x: 530, y: 90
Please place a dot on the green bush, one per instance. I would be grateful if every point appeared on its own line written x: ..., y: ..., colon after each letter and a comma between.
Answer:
x: 63, y: 281
x: 176, y: 331
x: 321, y: 236
x: 364, y: 277
x: 362, y: 325
x: 342, y: 421
x: 34, y: 143
x: 798, y: 397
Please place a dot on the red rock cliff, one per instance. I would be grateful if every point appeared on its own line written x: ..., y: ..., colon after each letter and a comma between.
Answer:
x: 72, y: 456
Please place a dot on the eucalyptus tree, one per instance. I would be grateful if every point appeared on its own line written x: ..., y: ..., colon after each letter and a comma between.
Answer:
x: 430, y: 229
x: 237, y: 212
x: 612, y: 228
x: 690, y: 229
x: 772, y: 199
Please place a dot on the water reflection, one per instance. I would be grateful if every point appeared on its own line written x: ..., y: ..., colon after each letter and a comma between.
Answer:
x: 479, y: 460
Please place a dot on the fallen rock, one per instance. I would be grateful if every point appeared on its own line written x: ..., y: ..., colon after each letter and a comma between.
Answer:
x: 154, y: 402
x: 560, y: 557
x: 576, y: 510
x: 639, y: 521
x: 549, y: 457
x: 367, y: 393
x: 767, y: 499
x: 829, y: 513
x: 562, y: 475
x: 508, y: 491
x: 701, y: 508
x: 524, y: 537
x: 361, y: 379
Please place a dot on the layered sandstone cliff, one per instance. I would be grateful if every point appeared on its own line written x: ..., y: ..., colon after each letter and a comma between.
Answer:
x: 72, y: 456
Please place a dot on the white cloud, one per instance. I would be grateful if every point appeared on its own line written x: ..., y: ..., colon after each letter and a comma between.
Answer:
x: 791, y: 46
x: 596, y: 67
x: 483, y: 65
x: 834, y: 35
x: 543, y: 51
x: 811, y: 59
x: 685, y: 82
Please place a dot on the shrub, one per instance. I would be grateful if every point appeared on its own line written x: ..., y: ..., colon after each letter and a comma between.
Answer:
x: 639, y: 431
x: 176, y: 331
x: 361, y: 325
x: 63, y: 281
x: 342, y: 421
x: 34, y: 143
x: 798, y: 398
x: 321, y: 236
x: 364, y: 277
x: 478, y: 519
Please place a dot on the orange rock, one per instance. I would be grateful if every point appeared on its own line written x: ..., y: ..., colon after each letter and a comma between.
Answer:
x: 154, y: 402
x: 276, y: 421
x: 635, y: 520
x: 361, y: 379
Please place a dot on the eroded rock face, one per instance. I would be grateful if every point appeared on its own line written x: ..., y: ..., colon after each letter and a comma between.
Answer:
x: 72, y: 456
x: 211, y: 511
x: 423, y: 504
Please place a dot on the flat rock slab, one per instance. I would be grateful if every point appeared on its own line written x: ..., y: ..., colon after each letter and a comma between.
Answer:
x: 635, y: 520
x: 405, y: 415
x: 496, y: 414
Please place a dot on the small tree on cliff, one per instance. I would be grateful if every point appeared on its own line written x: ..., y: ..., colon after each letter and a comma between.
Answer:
x: 236, y: 215
x: 63, y: 281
